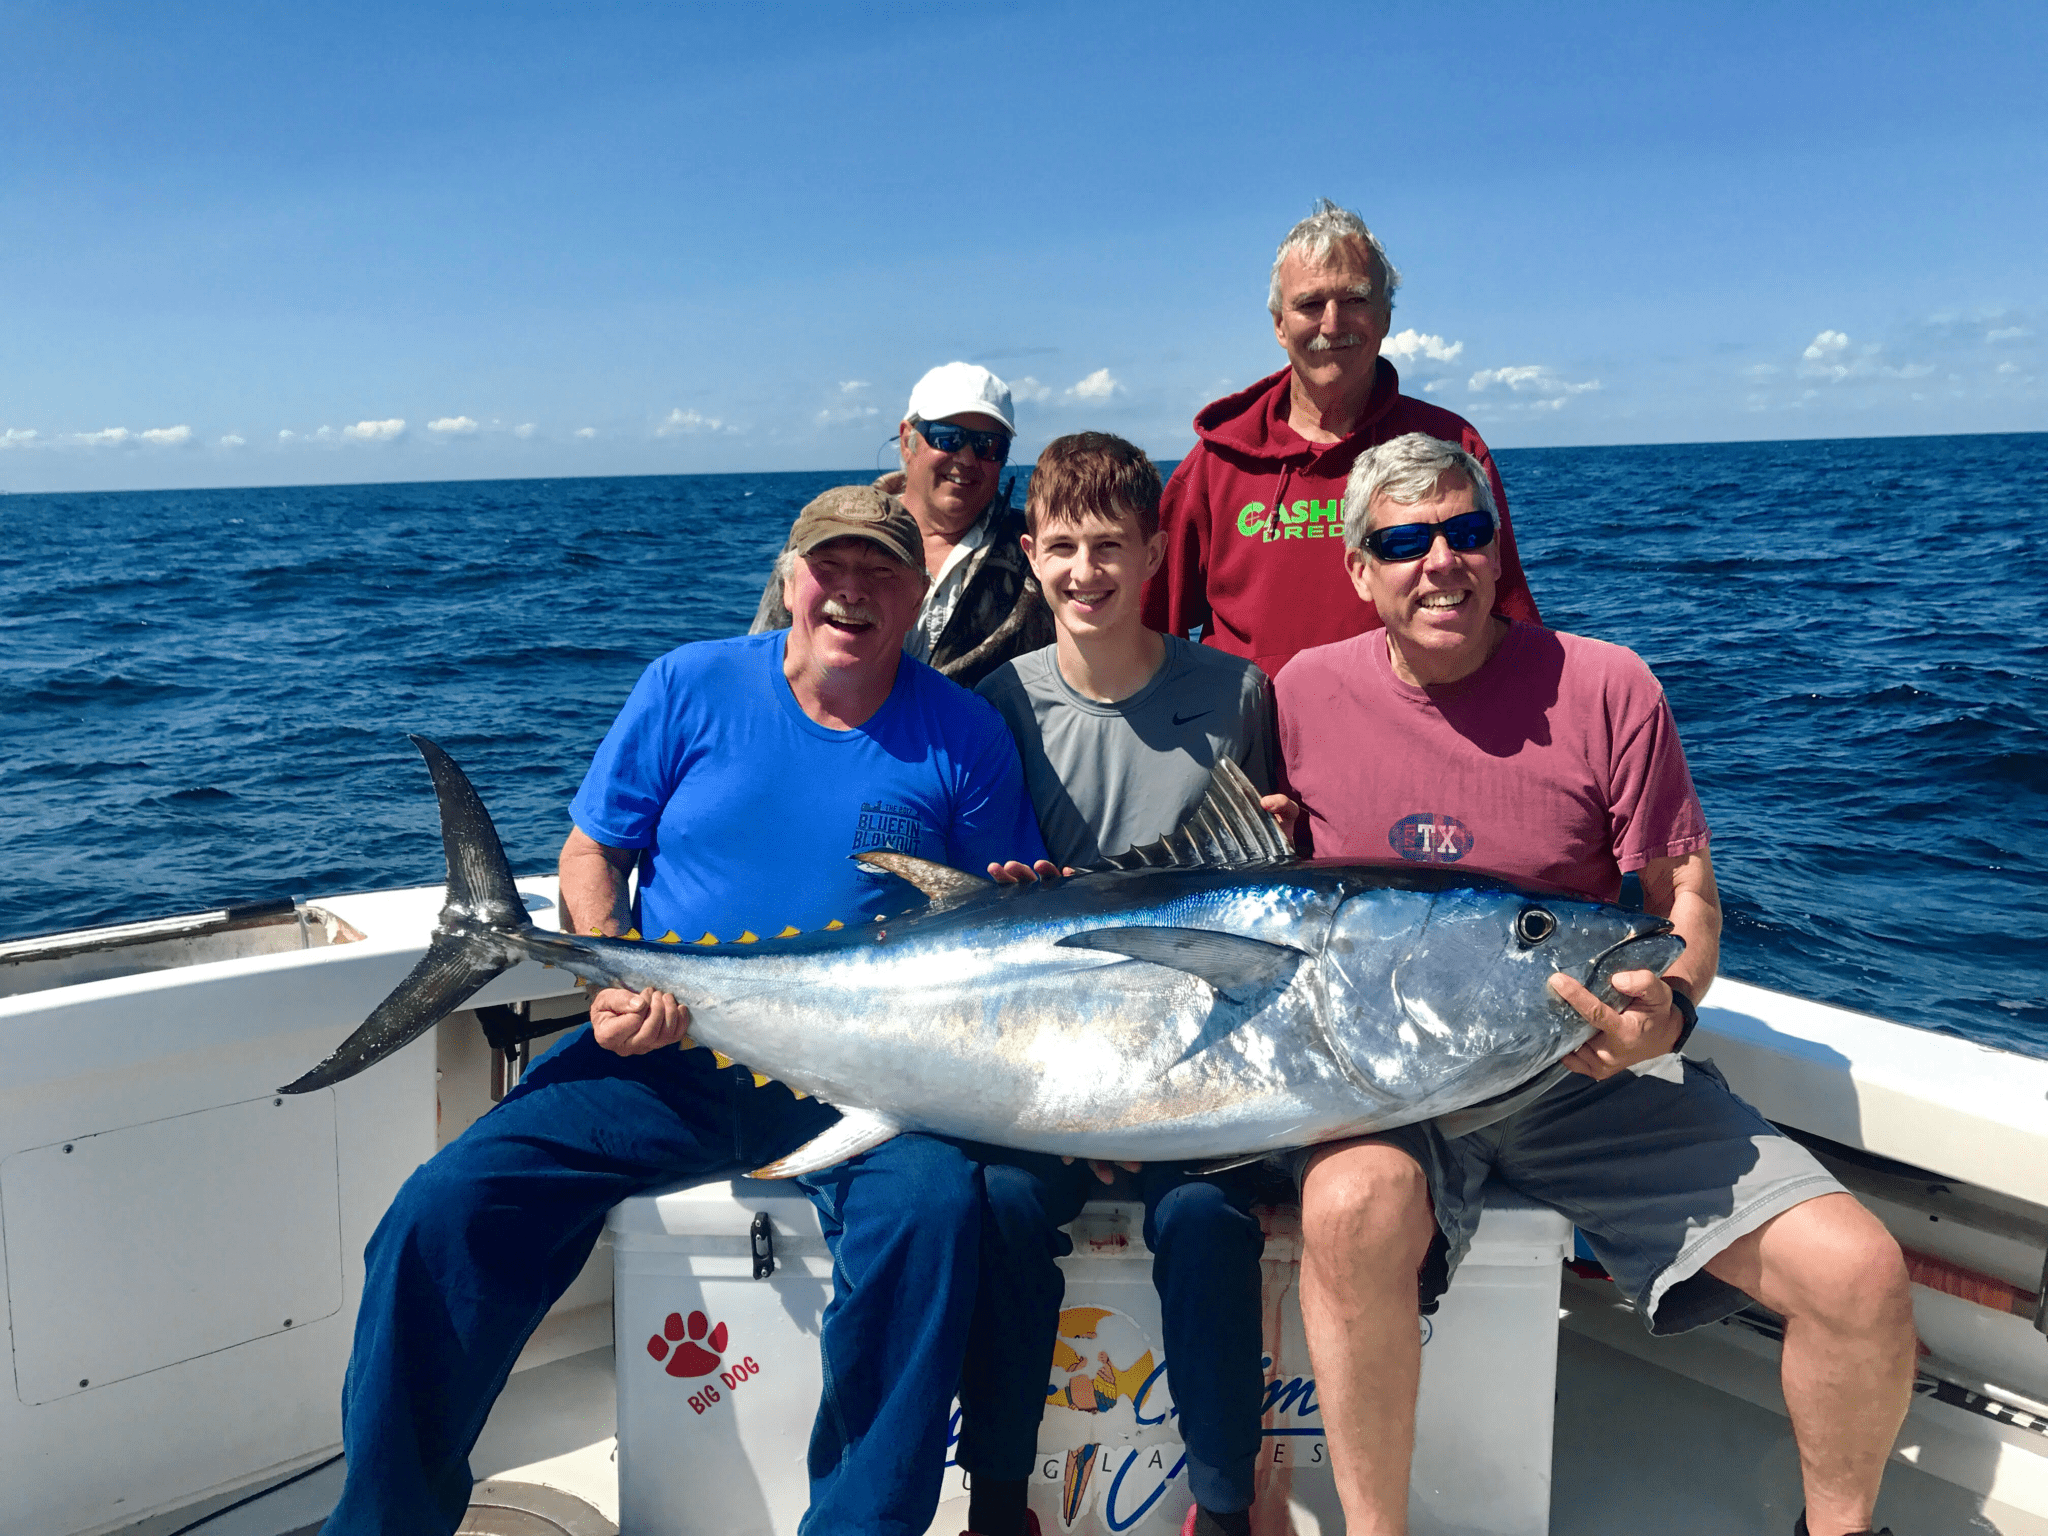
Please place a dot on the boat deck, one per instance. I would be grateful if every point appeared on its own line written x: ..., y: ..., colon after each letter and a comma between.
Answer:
x: 1685, y: 1437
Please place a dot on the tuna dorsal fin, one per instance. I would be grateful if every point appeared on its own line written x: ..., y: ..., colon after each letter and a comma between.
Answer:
x: 854, y: 1132
x: 1235, y: 966
x: 1227, y: 829
x: 939, y: 882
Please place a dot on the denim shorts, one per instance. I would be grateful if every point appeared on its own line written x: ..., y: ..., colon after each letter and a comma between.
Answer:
x: 1660, y: 1169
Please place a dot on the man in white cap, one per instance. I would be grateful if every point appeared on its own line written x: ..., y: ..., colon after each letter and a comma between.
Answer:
x: 983, y: 606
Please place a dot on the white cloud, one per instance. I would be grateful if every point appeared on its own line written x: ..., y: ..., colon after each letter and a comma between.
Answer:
x: 849, y: 407
x: 1821, y: 354
x: 1029, y: 389
x: 232, y: 441
x: 679, y: 421
x: 287, y: 435
x: 2007, y: 333
x: 447, y: 426
x: 1099, y: 385
x: 168, y: 437
x: 1434, y: 385
x: 18, y: 437
x: 326, y: 435
x: 839, y: 415
x: 525, y: 429
x: 1411, y: 344
x: 1828, y: 356
x: 106, y: 437
x: 2002, y: 368
x: 586, y: 432
x: 375, y: 431
x: 1542, y: 388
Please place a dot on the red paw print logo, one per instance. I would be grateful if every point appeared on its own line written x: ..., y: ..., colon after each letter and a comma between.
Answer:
x: 677, y: 1343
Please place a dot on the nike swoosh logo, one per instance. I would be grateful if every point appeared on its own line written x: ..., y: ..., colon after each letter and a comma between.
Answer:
x: 1184, y: 719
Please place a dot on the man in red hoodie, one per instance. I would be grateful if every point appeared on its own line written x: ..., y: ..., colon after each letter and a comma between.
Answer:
x: 1253, y: 516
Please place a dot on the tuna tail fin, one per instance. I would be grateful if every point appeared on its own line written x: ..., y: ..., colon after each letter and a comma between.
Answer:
x: 480, y: 886
x: 464, y: 953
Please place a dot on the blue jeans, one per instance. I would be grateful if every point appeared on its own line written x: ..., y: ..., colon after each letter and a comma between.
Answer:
x: 484, y: 1238
x: 1206, y: 1247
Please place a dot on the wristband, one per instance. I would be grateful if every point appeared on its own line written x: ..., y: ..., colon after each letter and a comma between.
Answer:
x: 1688, y: 1015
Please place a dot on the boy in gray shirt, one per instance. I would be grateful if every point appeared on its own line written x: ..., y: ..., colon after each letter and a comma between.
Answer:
x: 1119, y: 728
x: 1109, y: 774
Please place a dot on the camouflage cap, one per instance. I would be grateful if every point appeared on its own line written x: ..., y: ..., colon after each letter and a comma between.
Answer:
x: 859, y: 512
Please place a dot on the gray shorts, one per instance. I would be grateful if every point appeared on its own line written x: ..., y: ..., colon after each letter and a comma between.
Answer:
x: 1659, y: 1171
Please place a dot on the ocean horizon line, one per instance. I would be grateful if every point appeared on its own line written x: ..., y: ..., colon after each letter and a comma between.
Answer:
x: 1017, y: 466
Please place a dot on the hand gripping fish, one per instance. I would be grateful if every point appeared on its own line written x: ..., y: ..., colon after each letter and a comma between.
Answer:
x: 1207, y: 997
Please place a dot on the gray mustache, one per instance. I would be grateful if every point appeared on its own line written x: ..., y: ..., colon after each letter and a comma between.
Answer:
x: 1332, y: 343
x: 850, y: 613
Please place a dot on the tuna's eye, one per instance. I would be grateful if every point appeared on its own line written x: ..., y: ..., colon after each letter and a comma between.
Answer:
x: 1533, y: 925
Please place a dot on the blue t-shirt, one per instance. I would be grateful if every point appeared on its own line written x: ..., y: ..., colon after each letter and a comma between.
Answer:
x: 748, y: 811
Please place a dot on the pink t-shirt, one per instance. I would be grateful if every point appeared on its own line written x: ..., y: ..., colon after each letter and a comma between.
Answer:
x: 1558, y: 761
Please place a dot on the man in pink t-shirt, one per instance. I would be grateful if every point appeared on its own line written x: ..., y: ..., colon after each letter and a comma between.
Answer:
x: 1455, y: 736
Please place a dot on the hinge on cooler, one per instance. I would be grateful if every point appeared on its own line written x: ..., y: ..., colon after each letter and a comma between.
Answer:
x: 762, y: 1234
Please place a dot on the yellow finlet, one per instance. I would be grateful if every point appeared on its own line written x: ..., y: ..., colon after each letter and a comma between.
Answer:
x: 760, y: 1079
x: 632, y: 933
x: 709, y: 938
x: 835, y: 923
x: 671, y: 937
x: 596, y: 932
x: 790, y: 932
x: 689, y: 1042
x: 798, y: 1093
x: 720, y: 1059
x: 749, y: 937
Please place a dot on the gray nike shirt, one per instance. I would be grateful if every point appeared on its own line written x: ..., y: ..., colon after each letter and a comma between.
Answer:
x: 1107, y: 777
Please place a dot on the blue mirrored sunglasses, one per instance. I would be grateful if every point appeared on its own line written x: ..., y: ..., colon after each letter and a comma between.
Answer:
x: 946, y: 437
x: 1410, y: 541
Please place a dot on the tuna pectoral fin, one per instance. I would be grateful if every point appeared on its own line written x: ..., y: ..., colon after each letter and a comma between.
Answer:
x: 454, y: 966
x: 1237, y: 967
x: 855, y: 1132
x: 1476, y: 1117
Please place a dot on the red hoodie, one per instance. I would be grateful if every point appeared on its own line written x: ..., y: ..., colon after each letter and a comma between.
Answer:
x: 1254, y: 522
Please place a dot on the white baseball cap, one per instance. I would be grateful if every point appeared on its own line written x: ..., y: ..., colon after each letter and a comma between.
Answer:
x: 955, y: 389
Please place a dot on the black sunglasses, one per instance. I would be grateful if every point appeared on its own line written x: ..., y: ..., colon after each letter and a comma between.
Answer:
x: 1411, y: 541
x: 946, y: 437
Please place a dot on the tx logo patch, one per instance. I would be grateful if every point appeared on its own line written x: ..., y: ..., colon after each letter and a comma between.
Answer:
x: 1428, y: 838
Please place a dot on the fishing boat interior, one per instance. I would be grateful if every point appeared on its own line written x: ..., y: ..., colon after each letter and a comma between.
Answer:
x: 183, y: 1257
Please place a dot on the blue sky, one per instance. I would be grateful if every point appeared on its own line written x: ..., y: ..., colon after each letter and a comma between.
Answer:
x: 267, y: 244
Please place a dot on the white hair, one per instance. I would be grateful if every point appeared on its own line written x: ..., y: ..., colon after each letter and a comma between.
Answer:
x: 1315, y: 237
x: 1405, y: 470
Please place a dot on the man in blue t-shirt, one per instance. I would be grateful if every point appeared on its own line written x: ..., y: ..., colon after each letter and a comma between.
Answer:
x: 737, y: 780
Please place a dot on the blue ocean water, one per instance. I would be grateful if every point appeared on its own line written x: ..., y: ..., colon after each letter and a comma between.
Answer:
x: 206, y: 692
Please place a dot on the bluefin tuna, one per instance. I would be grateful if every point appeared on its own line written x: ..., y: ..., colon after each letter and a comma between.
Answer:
x: 1206, y: 998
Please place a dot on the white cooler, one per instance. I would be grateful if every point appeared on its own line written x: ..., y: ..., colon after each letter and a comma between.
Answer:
x: 718, y: 1377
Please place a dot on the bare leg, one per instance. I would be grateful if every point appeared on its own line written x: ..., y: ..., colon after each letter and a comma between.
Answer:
x: 1836, y: 1276
x: 1366, y: 1226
